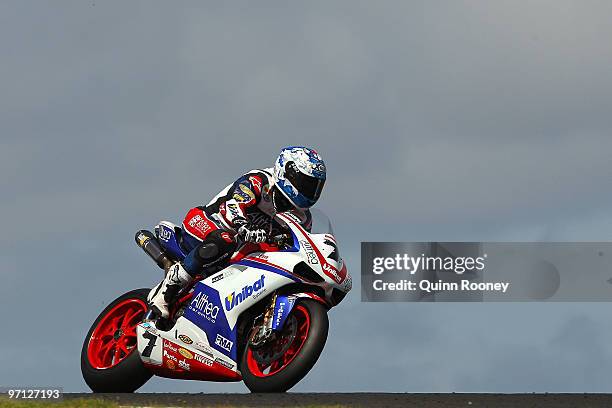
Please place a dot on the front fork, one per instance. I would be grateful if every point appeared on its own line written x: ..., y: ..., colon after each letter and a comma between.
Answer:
x: 262, y: 333
x: 273, y: 320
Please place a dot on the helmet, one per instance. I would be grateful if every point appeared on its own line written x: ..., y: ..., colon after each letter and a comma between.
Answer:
x: 300, y: 175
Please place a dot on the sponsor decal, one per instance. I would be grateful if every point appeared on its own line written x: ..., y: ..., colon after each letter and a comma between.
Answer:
x: 204, y: 307
x: 234, y: 299
x: 217, y: 277
x: 224, y: 343
x: 331, y: 270
x: 149, y: 327
x: 185, y: 353
x: 233, y: 210
x: 184, y: 365
x: 204, y: 348
x: 255, y: 182
x: 170, y: 364
x: 164, y: 234
x: 194, y: 220
x: 170, y: 356
x: 224, y: 363
x: 247, y: 191
x: 292, y: 217
x: 185, y: 339
x: 199, y: 223
x: 259, y: 219
x: 170, y: 346
x: 279, y: 314
x: 204, y: 360
x: 310, y: 253
x: 240, y: 197
x: 226, y: 237
x: 142, y: 238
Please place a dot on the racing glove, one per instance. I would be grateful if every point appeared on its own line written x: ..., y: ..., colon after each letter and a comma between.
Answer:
x: 250, y: 232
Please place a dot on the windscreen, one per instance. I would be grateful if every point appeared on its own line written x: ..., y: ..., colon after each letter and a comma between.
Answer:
x: 320, y: 222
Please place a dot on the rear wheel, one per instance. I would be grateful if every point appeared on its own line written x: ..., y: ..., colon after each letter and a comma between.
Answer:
x: 278, y: 366
x: 109, y: 359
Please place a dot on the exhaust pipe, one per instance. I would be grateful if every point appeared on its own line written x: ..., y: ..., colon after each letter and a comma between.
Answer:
x: 149, y: 243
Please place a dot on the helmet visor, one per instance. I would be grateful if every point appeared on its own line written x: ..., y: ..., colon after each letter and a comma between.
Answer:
x: 310, y: 187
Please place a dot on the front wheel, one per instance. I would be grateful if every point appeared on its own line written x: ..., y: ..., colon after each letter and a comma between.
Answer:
x: 109, y: 359
x: 278, y: 366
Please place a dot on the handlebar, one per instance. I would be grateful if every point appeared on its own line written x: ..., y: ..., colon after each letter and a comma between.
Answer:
x: 279, y: 239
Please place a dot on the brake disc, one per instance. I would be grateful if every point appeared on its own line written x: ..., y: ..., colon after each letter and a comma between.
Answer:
x: 274, y: 350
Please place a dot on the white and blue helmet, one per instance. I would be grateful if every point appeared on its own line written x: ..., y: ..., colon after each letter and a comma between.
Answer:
x: 300, y: 175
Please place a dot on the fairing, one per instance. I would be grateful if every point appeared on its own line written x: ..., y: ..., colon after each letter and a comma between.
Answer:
x: 207, y: 329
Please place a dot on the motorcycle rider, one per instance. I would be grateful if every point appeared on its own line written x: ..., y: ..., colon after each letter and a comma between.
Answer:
x: 242, y: 209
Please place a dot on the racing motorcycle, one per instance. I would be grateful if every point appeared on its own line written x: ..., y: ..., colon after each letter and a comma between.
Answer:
x: 263, y: 319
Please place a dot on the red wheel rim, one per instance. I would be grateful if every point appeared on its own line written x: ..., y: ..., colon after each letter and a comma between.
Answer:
x: 114, y: 337
x: 303, y: 327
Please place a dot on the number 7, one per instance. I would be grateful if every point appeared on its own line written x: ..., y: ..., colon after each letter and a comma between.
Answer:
x: 149, y: 348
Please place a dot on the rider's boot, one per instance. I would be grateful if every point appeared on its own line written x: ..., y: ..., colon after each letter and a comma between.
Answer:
x: 168, y: 289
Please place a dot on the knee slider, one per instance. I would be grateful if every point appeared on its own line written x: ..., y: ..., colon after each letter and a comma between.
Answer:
x: 223, y: 240
x: 215, y: 249
x: 208, y: 251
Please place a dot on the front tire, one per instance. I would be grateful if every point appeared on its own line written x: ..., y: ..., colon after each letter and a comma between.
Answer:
x: 110, y: 361
x: 279, y: 366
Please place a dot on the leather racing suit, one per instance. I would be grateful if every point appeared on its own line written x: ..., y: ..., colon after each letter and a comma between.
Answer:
x: 209, y: 230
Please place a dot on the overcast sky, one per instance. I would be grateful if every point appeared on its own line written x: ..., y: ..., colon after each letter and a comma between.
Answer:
x: 446, y: 120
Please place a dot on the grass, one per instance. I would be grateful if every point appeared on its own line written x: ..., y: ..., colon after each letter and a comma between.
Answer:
x: 73, y: 403
x: 91, y: 403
